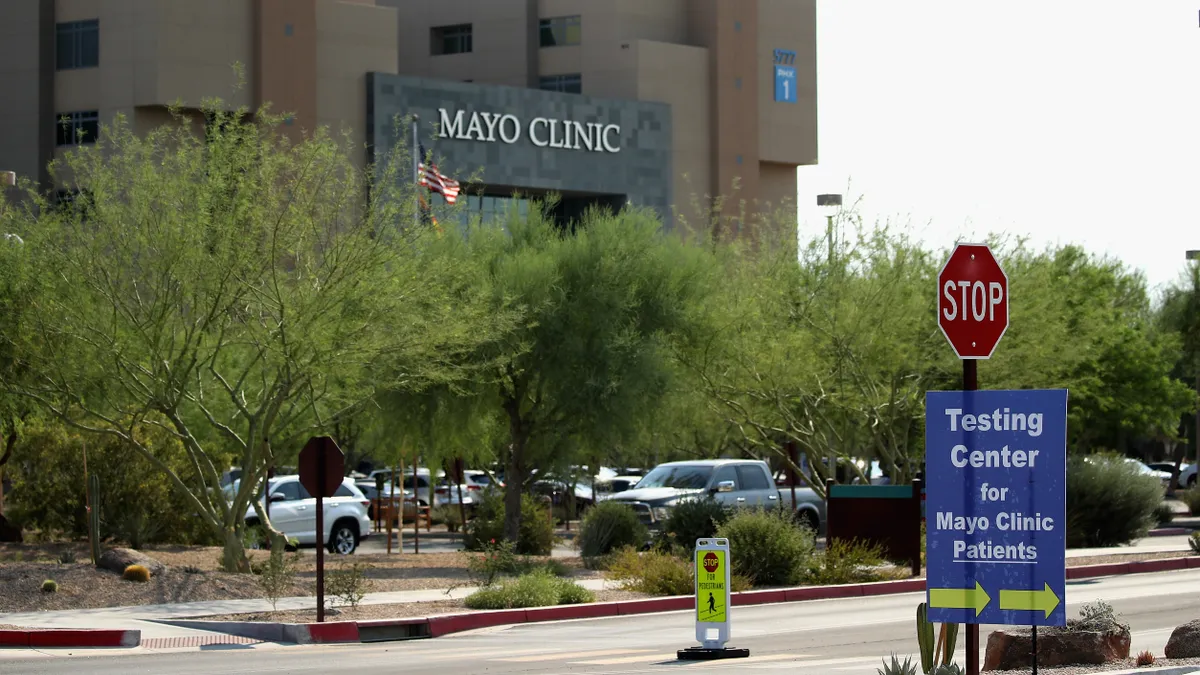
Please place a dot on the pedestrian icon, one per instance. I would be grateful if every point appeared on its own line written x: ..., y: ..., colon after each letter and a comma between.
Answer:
x: 712, y: 604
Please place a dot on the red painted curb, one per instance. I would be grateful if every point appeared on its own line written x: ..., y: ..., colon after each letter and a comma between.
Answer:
x: 69, y: 637
x: 675, y: 603
x: 383, y: 623
x: 456, y: 623
x: 336, y: 631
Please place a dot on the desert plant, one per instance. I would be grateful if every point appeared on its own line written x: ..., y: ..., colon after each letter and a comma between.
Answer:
x: 192, y: 569
x: 1163, y: 513
x: 498, y: 558
x: 925, y: 638
x: 536, y: 534
x: 767, y: 546
x: 348, y: 583
x: 897, y: 668
x: 49, y: 586
x: 450, y: 516
x: 1109, y: 502
x: 66, y: 557
x: 947, y: 669
x: 1194, y: 542
x: 607, y: 527
x: 1099, y: 617
x: 1191, y: 497
x: 136, y: 573
x: 1145, y: 658
x: 538, y: 589
x: 845, y: 562
x: 277, y: 577
x: 693, y: 519
x: 652, y: 572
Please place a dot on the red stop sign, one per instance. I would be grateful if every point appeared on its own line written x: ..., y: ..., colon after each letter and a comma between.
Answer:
x: 972, y: 301
x: 710, y: 562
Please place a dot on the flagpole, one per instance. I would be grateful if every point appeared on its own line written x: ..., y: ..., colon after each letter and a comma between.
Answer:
x: 416, y: 161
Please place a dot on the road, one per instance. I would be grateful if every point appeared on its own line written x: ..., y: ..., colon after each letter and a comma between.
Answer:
x: 811, y: 638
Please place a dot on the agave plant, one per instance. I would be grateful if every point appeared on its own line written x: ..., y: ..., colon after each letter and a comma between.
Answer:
x: 944, y: 669
x: 897, y: 668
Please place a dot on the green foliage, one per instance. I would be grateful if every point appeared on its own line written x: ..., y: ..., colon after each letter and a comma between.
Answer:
x: 1194, y: 542
x: 652, y: 572
x: 897, y: 668
x: 499, y: 557
x: 609, y: 526
x: 136, y: 573
x: 538, y: 589
x: 66, y: 557
x: 1108, y: 502
x: 348, y: 583
x: 1190, y: 497
x: 1163, y: 514
x: 536, y: 534
x: 693, y: 519
x: 277, y: 578
x: 767, y: 547
x: 1097, y: 617
x: 947, y: 669
x: 136, y: 505
x: 845, y: 562
x: 49, y: 586
x: 925, y: 637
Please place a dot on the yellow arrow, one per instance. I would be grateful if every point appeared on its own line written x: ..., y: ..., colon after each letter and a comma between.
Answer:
x: 960, y: 598
x: 1031, y: 601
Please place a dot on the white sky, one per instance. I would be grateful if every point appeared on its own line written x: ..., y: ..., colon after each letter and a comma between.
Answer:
x: 1064, y: 120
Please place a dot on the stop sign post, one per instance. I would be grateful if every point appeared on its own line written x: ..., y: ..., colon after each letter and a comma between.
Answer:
x: 322, y: 465
x: 972, y: 301
x: 973, y: 315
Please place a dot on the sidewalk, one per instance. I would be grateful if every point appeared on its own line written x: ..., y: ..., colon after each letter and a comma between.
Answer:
x: 1167, y: 544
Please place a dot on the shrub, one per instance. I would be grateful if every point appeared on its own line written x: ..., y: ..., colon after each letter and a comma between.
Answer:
x: 1163, y: 514
x: 768, y: 547
x: 607, y: 527
x: 1194, y: 542
x: 845, y: 562
x: 1108, y: 502
x: 136, y: 573
x: 277, y: 576
x: 538, y: 589
x: 498, y: 558
x: 652, y: 572
x: 693, y: 519
x: 450, y: 516
x: 1099, y: 617
x: 49, y: 586
x: 66, y: 557
x: 1191, y: 497
x: 348, y: 583
x: 536, y: 536
x: 1145, y: 658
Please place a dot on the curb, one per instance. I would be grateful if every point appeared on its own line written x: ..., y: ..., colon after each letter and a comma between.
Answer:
x: 446, y: 624
x: 1169, y: 532
x: 51, y: 638
x: 1165, y: 670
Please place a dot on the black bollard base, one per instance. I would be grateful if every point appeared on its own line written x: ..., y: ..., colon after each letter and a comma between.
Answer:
x: 703, y: 654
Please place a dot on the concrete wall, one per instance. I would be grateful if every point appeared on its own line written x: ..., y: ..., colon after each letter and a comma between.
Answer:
x: 640, y: 169
x: 788, y: 131
x: 26, y: 77
x: 352, y: 41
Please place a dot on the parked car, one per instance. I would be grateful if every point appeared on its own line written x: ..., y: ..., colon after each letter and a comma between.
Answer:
x: 293, y: 512
x: 480, y: 481
x: 1163, y: 476
x: 734, y: 482
x: 389, y: 492
x: 1187, y: 472
x: 606, y: 489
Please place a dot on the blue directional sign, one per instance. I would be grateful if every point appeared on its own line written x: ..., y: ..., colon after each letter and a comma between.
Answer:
x: 995, y: 512
x: 785, y: 84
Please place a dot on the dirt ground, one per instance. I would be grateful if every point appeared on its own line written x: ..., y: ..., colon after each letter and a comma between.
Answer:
x: 393, y: 611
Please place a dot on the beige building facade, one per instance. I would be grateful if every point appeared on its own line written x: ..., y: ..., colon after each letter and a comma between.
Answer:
x: 738, y: 76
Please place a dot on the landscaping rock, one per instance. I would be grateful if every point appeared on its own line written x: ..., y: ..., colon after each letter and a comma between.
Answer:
x: 1008, y: 650
x: 117, y: 559
x: 9, y: 533
x: 1184, y: 642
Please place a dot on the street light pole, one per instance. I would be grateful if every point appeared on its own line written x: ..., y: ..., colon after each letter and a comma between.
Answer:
x: 1194, y: 255
x: 831, y: 204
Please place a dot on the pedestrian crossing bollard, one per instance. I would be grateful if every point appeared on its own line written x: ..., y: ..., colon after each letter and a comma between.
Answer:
x: 713, y: 620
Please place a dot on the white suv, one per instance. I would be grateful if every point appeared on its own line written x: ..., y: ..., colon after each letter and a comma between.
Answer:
x: 294, y: 513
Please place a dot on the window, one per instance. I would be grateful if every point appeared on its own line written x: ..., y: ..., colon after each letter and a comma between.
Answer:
x: 450, y: 39
x: 344, y: 491
x: 560, y: 31
x: 78, y: 128
x: 752, y: 478
x: 570, y: 84
x: 726, y: 473
x: 290, y: 491
x: 77, y: 44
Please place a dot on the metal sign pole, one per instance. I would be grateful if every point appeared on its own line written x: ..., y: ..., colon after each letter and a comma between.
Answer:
x: 321, y: 537
x: 1035, y: 650
x: 970, y: 382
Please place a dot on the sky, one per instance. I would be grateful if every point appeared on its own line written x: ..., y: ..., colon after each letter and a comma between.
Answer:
x: 1063, y: 121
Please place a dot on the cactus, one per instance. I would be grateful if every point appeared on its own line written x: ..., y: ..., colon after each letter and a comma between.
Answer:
x: 951, y: 638
x: 925, y: 638
x: 49, y: 586
x: 947, y: 669
x: 93, y: 503
x: 136, y: 573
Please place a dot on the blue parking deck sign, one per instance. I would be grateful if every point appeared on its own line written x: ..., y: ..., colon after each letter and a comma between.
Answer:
x: 785, y: 84
x: 995, y: 515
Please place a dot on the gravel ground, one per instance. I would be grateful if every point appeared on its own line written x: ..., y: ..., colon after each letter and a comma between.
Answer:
x: 1127, y: 664
x: 9, y: 626
x: 396, y: 611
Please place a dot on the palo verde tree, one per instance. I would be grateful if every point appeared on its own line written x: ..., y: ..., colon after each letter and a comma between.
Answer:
x: 588, y: 355
x: 231, y: 288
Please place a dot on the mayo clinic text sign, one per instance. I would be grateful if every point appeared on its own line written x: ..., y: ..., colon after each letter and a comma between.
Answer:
x: 515, y: 138
x: 544, y: 132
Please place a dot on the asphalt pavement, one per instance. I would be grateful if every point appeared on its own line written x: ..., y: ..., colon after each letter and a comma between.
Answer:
x: 810, y: 638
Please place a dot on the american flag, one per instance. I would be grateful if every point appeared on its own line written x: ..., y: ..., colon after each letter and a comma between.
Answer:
x: 429, y: 177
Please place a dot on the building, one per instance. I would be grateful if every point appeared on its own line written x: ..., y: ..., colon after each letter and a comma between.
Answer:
x: 656, y: 102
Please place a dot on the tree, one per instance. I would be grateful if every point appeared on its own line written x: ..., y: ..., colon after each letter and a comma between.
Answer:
x: 229, y: 288
x: 18, y: 289
x: 588, y: 357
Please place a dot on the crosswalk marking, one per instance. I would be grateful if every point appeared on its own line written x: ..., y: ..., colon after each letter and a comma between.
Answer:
x: 573, y: 655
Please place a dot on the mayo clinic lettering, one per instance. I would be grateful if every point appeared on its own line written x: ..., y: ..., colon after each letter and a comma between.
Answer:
x: 589, y: 150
